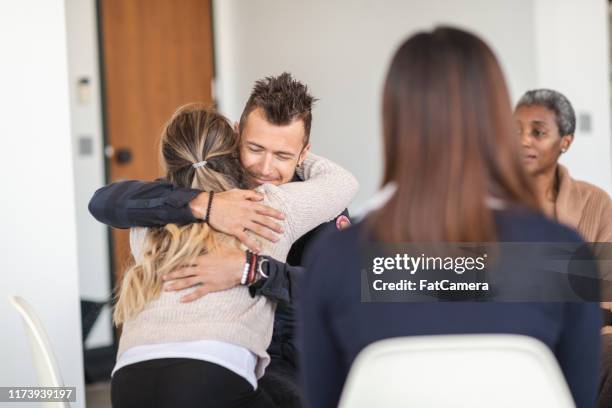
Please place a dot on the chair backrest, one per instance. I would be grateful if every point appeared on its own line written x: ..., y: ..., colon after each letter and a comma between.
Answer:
x: 45, y: 363
x: 485, y: 370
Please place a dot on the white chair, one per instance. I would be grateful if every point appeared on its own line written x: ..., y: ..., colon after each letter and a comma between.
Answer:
x: 486, y: 370
x: 45, y: 363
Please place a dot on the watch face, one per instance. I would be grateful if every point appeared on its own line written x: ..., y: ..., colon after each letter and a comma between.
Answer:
x: 343, y: 222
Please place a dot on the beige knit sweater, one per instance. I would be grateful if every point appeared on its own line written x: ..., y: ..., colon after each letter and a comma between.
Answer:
x: 584, y: 207
x: 233, y: 315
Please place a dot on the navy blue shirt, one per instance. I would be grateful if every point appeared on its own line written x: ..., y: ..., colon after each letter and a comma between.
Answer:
x: 335, y: 325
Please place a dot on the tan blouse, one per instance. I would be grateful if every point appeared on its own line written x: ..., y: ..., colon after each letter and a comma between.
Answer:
x: 584, y: 207
x: 588, y: 210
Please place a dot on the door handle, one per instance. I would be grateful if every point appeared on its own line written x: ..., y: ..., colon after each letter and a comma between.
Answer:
x: 123, y: 156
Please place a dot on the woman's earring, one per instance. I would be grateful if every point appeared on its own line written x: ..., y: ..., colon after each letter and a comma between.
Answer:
x: 563, y: 150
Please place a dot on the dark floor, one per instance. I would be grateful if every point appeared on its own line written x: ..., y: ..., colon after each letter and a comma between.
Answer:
x: 97, y: 395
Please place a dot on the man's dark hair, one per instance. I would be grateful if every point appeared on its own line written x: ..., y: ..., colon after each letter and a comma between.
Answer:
x: 283, y: 100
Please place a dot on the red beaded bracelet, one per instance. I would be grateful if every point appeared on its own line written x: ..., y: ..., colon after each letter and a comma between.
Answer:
x: 251, y: 277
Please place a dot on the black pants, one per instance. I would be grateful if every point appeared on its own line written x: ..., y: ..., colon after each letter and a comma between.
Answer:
x: 281, y: 383
x: 182, y: 382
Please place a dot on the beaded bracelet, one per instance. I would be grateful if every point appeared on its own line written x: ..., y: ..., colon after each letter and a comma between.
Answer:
x: 245, y: 271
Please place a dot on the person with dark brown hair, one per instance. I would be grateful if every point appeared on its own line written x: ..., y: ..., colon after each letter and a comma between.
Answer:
x: 453, y: 172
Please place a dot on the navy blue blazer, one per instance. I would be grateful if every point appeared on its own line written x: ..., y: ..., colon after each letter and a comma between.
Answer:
x: 335, y: 325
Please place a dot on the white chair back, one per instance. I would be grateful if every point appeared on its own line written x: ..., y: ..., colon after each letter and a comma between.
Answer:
x: 45, y: 362
x: 486, y: 370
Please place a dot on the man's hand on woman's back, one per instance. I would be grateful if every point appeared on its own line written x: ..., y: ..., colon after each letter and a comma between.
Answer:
x: 236, y: 211
x: 211, y: 273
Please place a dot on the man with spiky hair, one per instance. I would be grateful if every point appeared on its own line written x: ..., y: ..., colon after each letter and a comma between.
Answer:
x: 274, y: 139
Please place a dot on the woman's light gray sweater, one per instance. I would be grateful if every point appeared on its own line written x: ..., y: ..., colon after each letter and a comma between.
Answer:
x: 233, y: 315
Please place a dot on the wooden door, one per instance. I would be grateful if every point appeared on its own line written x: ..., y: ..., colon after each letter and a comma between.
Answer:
x: 156, y: 56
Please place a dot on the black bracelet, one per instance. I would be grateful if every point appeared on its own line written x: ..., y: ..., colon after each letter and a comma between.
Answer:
x: 210, y: 198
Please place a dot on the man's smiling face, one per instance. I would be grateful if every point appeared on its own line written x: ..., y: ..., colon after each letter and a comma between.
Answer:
x: 270, y: 153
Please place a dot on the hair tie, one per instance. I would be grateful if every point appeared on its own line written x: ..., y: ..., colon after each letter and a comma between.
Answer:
x: 199, y: 164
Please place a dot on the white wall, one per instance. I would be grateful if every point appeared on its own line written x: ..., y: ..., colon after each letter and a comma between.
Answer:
x: 38, y: 248
x: 341, y: 49
x: 86, y: 121
x: 572, y: 43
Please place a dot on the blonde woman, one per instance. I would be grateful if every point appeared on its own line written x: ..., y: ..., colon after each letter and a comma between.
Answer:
x: 209, y: 352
